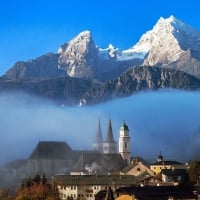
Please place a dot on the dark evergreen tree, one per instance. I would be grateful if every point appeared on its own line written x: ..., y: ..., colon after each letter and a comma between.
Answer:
x: 194, y: 171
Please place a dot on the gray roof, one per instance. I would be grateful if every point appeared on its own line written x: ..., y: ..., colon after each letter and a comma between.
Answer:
x: 167, y: 162
x: 94, y: 180
x: 98, y: 162
x: 51, y: 150
x: 174, y: 172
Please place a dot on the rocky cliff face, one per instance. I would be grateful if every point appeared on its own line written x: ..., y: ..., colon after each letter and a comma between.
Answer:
x: 64, y: 90
x: 139, y: 79
x: 78, y: 57
x: 45, y: 66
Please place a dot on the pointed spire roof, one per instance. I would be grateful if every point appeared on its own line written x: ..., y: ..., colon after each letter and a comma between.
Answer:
x: 109, y: 194
x: 99, y: 133
x: 109, y: 138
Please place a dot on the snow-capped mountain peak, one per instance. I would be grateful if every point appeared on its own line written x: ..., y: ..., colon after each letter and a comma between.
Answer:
x: 77, y: 56
x: 84, y: 37
x: 169, y: 41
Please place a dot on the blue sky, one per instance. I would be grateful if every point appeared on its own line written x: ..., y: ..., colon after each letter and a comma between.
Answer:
x: 29, y: 29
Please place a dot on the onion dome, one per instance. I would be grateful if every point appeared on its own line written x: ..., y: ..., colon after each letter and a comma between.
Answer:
x: 124, y: 127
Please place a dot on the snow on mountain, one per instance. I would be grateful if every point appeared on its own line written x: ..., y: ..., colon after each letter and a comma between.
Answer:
x: 171, y: 43
x: 81, y: 58
x: 78, y: 56
x: 130, y: 54
x: 168, y: 42
x: 161, y: 41
x: 120, y: 55
x: 108, y: 53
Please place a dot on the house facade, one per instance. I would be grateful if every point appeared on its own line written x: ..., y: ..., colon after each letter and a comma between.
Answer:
x: 162, y: 164
x: 87, y: 186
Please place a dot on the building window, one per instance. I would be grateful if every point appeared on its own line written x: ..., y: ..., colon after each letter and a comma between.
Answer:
x: 126, y: 145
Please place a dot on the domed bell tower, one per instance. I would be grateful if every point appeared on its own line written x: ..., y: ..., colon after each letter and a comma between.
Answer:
x: 124, y: 143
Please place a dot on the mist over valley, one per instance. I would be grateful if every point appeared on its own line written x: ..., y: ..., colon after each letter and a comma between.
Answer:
x: 166, y: 121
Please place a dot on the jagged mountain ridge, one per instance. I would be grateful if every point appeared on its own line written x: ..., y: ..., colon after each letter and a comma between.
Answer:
x: 73, y: 91
x: 80, y: 68
x: 79, y: 58
x: 63, y: 90
x: 138, y: 79
x: 171, y: 43
x: 44, y: 66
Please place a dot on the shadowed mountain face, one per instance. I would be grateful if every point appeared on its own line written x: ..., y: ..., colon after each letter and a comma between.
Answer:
x: 70, y: 91
x: 141, y: 78
x: 45, y: 66
x: 65, y: 90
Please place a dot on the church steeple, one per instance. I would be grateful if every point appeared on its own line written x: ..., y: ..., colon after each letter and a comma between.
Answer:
x: 99, y: 132
x: 98, y: 143
x: 109, y: 137
x: 109, y: 146
x: 124, y: 143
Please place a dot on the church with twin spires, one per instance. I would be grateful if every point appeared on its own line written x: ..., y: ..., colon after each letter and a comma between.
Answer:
x: 110, y: 146
x: 57, y: 157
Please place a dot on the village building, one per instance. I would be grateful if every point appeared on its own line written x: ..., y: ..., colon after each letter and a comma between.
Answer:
x: 175, y: 176
x: 162, y: 164
x: 88, y: 185
x: 136, y: 167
